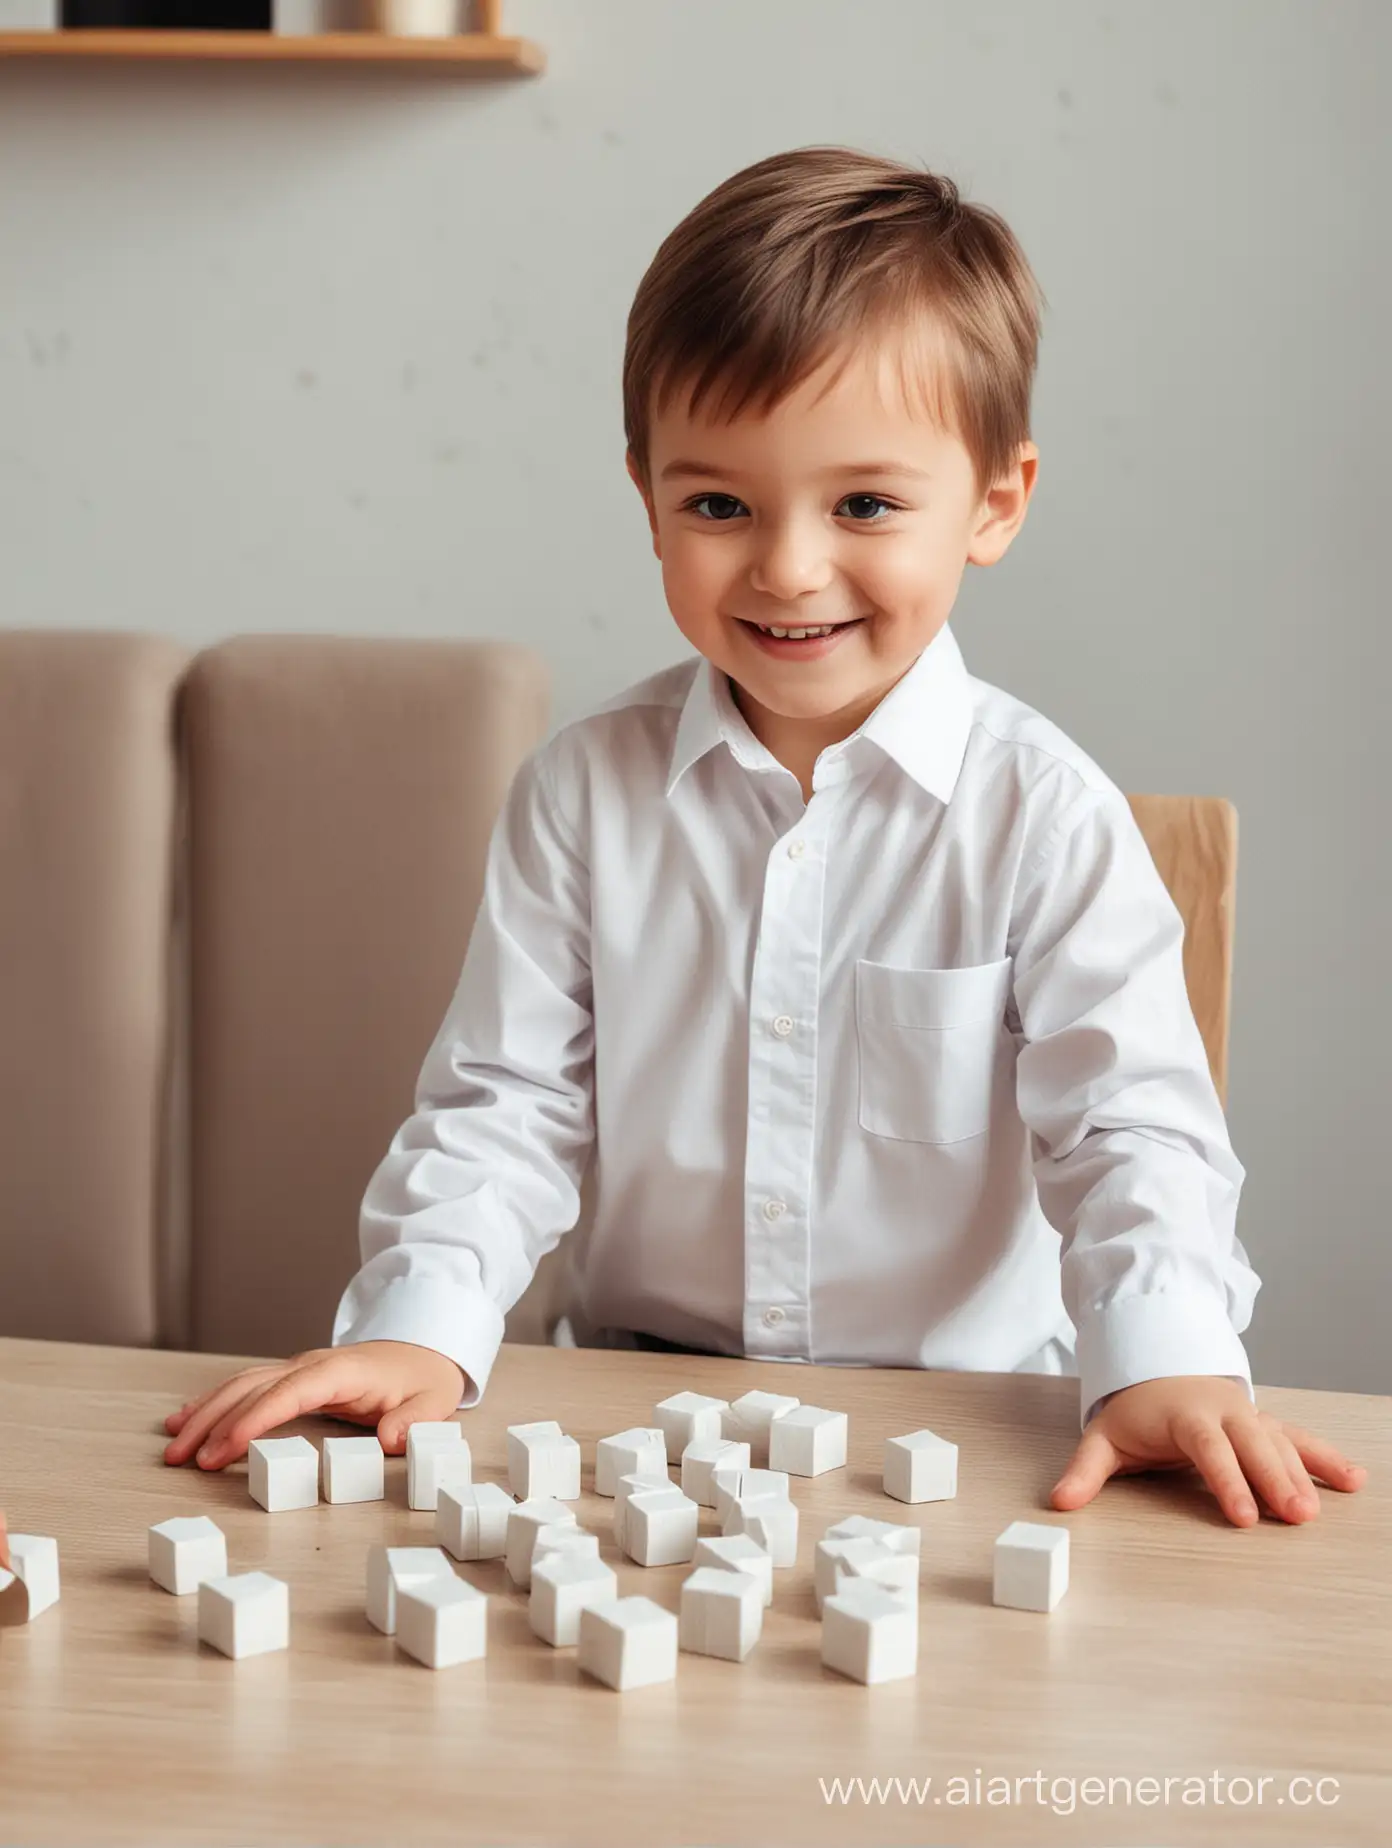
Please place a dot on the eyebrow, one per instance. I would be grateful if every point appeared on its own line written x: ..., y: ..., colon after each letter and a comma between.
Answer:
x: 679, y: 470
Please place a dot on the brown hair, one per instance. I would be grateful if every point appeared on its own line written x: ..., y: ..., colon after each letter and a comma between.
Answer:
x: 826, y: 247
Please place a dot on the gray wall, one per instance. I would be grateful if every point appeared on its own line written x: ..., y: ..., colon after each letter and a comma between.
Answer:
x: 327, y: 350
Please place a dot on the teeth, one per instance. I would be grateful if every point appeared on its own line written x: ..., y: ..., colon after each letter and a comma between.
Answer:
x: 796, y: 635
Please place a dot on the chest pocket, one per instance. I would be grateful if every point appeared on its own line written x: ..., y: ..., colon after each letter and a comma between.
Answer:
x: 930, y: 1042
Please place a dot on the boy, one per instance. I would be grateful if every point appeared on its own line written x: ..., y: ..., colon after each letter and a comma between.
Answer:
x: 855, y: 972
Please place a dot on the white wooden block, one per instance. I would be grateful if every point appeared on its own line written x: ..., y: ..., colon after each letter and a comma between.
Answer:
x: 808, y: 1441
x: 699, y: 1462
x: 921, y: 1467
x: 639, y: 1451
x: 630, y: 1643
x: 738, y: 1553
x: 34, y: 1565
x: 520, y: 1438
x: 880, y: 1565
x: 441, y: 1622
x: 564, y: 1583
x: 870, y: 1634
x: 437, y: 1457
x: 731, y: 1485
x: 472, y: 1523
x: 660, y: 1527
x: 525, y: 1522
x: 828, y: 1551
x: 771, y: 1521
x: 355, y: 1469
x: 1031, y: 1566
x: 688, y: 1418
x: 246, y: 1615
x: 392, y: 1569
x: 283, y: 1473
x: 564, y: 1537
x: 185, y: 1552
x: 722, y: 1613
x: 626, y: 1486
x: 904, y: 1539
x: 546, y: 1469
x: 747, y: 1420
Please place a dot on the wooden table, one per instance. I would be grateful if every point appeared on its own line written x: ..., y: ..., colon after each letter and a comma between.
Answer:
x: 1185, y: 1648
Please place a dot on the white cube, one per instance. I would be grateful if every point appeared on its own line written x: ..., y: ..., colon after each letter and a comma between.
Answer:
x: 808, y: 1441
x: 630, y: 1643
x: 1031, y: 1566
x: 355, y: 1469
x: 699, y: 1462
x: 283, y: 1473
x: 660, y: 1527
x: 722, y: 1613
x: 903, y: 1539
x: 525, y: 1522
x: 879, y: 1564
x: 247, y: 1615
x: 472, y: 1523
x: 548, y: 1469
x: 565, y: 1583
x: 628, y: 1485
x: 688, y: 1418
x: 639, y: 1451
x: 564, y: 1537
x: 34, y: 1564
x: 393, y: 1569
x: 921, y: 1467
x: 520, y: 1438
x: 185, y: 1552
x: 437, y: 1457
x: 731, y: 1485
x: 738, y: 1553
x: 870, y: 1634
x: 747, y: 1421
x: 441, y: 1622
x: 828, y: 1551
x: 771, y: 1521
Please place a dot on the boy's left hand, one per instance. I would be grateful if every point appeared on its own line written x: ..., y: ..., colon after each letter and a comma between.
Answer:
x: 1212, y: 1424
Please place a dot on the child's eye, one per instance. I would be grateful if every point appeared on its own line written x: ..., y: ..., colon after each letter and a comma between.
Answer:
x: 728, y: 501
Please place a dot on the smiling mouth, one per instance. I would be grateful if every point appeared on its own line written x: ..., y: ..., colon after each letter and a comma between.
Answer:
x: 797, y: 635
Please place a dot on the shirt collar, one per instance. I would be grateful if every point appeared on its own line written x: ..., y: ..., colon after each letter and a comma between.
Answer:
x: 923, y: 722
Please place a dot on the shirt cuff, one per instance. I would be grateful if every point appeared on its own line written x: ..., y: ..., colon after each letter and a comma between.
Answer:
x: 1156, y: 1336
x: 465, y: 1325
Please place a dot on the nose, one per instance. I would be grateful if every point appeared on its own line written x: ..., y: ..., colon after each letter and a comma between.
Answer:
x: 791, y: 560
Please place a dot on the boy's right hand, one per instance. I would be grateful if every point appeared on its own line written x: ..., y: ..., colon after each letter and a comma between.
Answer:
x: 390, y: 1384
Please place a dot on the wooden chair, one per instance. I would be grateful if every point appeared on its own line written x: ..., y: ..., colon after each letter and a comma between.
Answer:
x: 1193, y: 842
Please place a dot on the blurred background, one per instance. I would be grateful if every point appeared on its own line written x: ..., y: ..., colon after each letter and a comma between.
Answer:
x: 297, y: 349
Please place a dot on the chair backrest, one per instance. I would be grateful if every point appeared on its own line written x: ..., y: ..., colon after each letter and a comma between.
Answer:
x: 1193, y: 841
x: 341, y: 796
x: 88, y: 814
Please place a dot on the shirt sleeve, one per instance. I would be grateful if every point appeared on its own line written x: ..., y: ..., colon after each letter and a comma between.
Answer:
x: 482, y: 1180
x: 1132, y: 1160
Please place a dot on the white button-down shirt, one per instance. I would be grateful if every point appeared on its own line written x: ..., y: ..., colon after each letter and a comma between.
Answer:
x: 904, y: 1075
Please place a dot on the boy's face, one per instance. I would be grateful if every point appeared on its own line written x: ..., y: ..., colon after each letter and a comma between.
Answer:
x: 780, y: 527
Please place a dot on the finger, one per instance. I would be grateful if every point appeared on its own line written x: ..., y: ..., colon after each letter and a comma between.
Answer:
x: 1264, y: 1466
x: 1325, y: 1462
x: 305, y: 1389
x: 431, y: 1407
x: 1095, y: 1459
x: 210, y: 1408
x: 175, y: 1422
x: 1297, y: 1472
x: 1208, y: 1446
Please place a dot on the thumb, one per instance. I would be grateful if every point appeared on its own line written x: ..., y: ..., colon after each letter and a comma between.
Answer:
x: 1091, y: 1464
x: 422, y: 1407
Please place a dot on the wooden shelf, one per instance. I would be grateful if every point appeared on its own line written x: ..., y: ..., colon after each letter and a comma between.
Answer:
x: 468, y: 54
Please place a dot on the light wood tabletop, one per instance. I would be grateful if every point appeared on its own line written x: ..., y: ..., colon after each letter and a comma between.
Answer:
x: 1185, y: 1650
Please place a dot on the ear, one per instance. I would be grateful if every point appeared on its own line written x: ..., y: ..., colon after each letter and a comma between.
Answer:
x: 638, y: 483
x: 1002, y: 513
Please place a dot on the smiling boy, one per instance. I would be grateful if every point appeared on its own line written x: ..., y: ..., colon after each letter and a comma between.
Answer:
x: 851, y: 971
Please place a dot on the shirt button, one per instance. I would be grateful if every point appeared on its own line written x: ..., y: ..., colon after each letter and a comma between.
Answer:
x: 772, y: 1317
x: 783, y: 1025
x: 796, y: 849
x: 775, y: 1209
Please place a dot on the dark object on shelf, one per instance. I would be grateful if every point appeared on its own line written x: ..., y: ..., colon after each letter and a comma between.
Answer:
x: 169, y: 15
